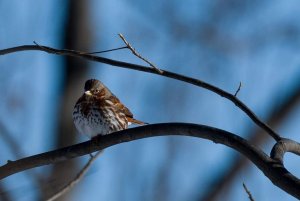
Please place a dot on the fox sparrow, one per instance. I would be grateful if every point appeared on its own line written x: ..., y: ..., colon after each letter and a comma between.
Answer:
x: 100, y: 112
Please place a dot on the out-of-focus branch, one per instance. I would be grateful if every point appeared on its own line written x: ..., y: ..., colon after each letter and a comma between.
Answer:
x: 11, y: 142
x: 17, y: 152
x: 4, y: 195
x: 164, y: 73
x: 78, y: 177
x: 248, y: 192
x: 273, y: 169
x: 77, y: 35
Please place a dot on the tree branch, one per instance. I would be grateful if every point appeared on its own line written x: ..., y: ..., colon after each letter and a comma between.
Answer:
x: 273, y: 169
x: 238, y: 90
x: 283, y: 146
x: 278, y: 115
x: 164, y: 73
x: 134, y: 52
x: 248, y: 192
x: 78, y: 177
x: 10, y: 141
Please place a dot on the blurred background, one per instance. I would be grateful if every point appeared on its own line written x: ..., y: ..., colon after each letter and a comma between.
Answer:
x: 220, y: 42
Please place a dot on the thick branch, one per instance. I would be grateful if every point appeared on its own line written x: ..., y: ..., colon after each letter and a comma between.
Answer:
x: 283, y: 146
x: 271, y: 168
x: 278, y: 115
x: 164, y: 73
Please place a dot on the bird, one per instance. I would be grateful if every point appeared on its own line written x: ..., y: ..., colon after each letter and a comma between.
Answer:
x: 99, y: 112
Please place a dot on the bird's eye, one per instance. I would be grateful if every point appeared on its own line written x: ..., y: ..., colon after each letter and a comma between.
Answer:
x: 96, y: 91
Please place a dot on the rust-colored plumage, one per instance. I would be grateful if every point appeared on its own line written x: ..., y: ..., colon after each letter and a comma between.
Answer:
x: 100, y: 112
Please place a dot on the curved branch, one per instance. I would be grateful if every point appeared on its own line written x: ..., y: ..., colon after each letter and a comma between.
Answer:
x: 283, y: 146
x: 276, y: 117
x: 164, y: 73
x: 271, y: 168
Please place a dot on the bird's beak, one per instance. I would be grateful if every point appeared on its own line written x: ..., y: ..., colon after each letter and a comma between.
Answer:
x: 88, y: 93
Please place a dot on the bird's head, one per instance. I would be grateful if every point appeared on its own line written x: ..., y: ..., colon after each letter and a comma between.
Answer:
x: 94, y: 87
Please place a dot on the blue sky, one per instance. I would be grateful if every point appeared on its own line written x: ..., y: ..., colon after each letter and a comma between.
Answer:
x: 253, y: 42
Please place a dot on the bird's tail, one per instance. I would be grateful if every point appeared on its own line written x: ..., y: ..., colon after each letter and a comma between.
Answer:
x: 134, y: 121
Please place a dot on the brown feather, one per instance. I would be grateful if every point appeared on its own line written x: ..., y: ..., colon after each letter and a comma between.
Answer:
x: 134, y: 121
x: 120, y: 106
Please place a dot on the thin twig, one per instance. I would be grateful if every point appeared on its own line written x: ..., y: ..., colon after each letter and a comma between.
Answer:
x: 248, y: 192
x: 104, y: 51
x: 45, y: 48
x: 132, y: 49
x: 165, y: 73
x: 78, y: 177
x: 54, y: 51
x: 238, y: 90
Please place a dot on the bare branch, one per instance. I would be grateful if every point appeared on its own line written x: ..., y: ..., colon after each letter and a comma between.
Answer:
x: 238, y: 90
x: 248, y: 192
x: 104, y: 51
x: 277, y: 116
x: 273, y: 169
x: 283, y: 146
x: 98, y: 52
x: 44, y: 48
x: 168, y: 74
x: 132, y: 49
x: 4, y: 194
x: 12, y: 143
x: 78, y: 177
x: 17, y: 152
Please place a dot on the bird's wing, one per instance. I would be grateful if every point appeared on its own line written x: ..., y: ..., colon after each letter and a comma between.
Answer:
x: 120, y: 107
